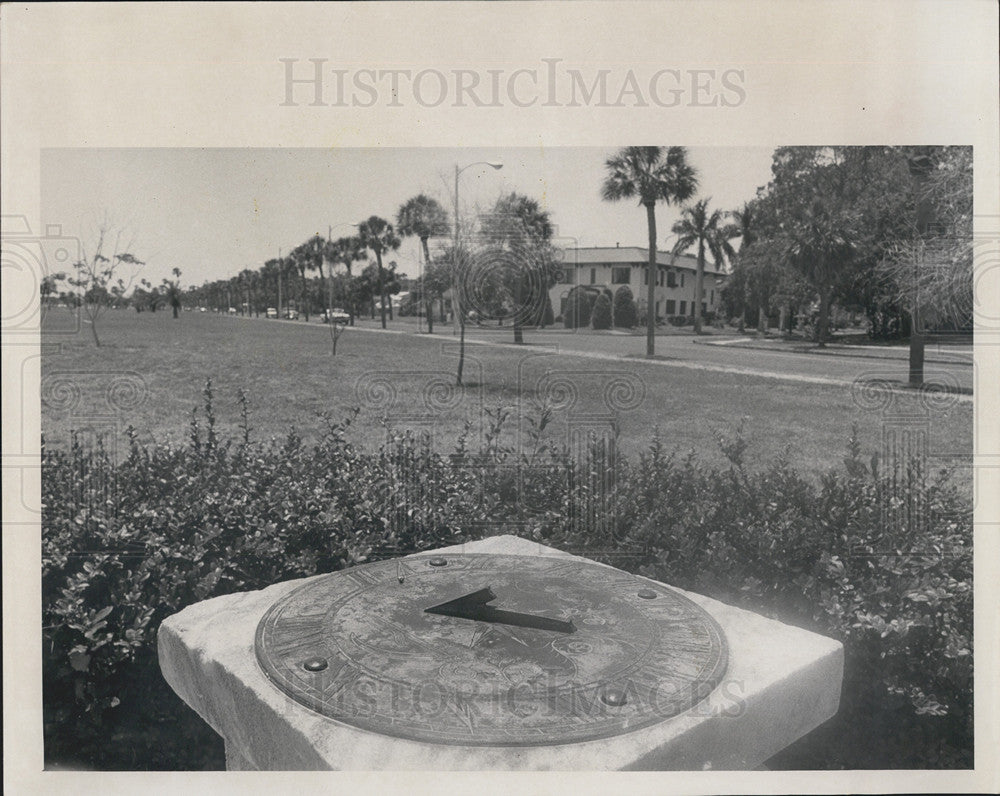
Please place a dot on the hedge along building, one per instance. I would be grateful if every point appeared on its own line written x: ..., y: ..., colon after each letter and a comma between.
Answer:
x: 609, y: 267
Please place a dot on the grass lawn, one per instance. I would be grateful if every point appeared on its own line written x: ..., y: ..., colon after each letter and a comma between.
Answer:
x: 151, y: 369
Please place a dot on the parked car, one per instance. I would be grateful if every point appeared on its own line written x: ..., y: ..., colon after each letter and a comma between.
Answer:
x: 202, y: 309
x: 337, y: 315
x: 271, y: 312
x: 292, y: 315
x: 232, y: 310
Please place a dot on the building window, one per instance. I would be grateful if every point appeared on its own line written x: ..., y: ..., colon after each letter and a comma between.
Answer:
x: 567, y: 275
x: 684, y: 308
x: 711, y: 297
x: 671, y: 279
x: 620, y: 275
x: 671, y: 307
x: 704, y: 308
x: 682, y: 283
x: 593, y: 276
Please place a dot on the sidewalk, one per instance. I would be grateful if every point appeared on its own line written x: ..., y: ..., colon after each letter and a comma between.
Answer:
x: 933, y: 352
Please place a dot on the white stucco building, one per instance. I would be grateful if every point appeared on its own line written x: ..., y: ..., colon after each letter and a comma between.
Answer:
x: 611, y: 267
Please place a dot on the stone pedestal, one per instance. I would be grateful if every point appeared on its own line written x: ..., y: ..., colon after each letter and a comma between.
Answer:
x: 781, y: 683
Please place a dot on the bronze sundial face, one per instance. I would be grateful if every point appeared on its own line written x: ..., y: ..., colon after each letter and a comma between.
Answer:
x: 501, y: 650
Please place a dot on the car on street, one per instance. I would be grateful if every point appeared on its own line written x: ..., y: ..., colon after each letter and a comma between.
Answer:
x: 292, y: 315
x: 271, y: 312
x: 336, y: 315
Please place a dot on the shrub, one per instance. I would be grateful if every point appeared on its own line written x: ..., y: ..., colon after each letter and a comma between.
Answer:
x: 601, y: 316
x: 625, y: 311
x: 874, y: 556
x: 545, y: 315
x: 578, y: 304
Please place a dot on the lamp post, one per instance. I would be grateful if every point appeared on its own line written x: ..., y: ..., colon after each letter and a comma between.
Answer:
x: 455, y: 304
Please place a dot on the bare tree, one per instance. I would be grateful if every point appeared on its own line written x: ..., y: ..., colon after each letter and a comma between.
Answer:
x: 103, y: 274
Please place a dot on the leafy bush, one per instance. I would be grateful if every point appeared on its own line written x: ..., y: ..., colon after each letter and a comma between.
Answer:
x: 545, y: 315
x: 578, y: 304
x: 880, y: 559
x: 601, y: 316
x: 625, y: 311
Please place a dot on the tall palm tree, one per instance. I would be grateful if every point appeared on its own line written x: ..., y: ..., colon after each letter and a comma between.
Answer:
x: 269, y: 274
x: 699, y: 226
x: 378, y: 235
x: 744, y: 227
x: 652, y: 174
x: 423, y: 217
x: 309, y: 256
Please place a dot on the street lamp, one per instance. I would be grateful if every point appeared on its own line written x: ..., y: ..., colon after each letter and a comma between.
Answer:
x: 495, y: 164
x: 456, y: 305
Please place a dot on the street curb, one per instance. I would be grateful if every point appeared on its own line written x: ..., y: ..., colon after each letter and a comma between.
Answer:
x: 837, y: 352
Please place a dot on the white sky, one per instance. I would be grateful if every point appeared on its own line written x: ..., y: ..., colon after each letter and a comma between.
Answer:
x: 213, y: 212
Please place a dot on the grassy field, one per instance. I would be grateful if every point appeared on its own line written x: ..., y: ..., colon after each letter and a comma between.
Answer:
x: 151, y: 370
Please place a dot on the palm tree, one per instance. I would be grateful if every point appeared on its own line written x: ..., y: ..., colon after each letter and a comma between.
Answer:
x: 172, y: 290
x: 270, y: 276
x: 744, y: 227
x: 346, y: 251
x: 378, y: 235
x: 698, y: 226
x: 309, y: 256
x: 652, y: 174
x: 423, y: 217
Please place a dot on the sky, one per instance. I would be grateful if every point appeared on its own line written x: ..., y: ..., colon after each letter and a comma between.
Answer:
x: 213, y: 212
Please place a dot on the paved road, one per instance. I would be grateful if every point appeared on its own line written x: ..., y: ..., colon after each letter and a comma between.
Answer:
x: 946, y: 365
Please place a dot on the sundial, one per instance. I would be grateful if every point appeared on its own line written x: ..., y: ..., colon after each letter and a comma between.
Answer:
x: 491, y: 649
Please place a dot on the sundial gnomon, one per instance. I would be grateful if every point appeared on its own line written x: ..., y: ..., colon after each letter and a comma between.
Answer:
x: 485, y: 649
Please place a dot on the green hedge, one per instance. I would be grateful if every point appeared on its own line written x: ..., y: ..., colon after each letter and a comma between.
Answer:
x: 879, y: 560
x: 601, y: 316
x: 626, y: 314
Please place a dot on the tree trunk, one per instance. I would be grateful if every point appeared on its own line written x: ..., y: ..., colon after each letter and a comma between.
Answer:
x: 782, y: 319
x: 461, y: 351
x: 920, y: 168
x: 699, y: 286
x: 916, y: 350
x: 651, y: 282
x: 381, y: 290
x: 518, y: 336
x: 428, y: 302
x: 175, y: 312
x: 824, y: 317
x: 761, y: 320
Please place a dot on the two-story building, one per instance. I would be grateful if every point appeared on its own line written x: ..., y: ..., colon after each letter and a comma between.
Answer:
x: 611, y: 267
